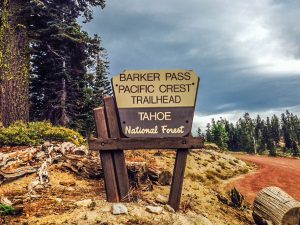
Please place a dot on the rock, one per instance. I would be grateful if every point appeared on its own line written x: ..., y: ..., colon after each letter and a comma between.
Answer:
x: 5, y: 201
x: 154, y: 209
x: 161, y: 199
x: 119, y: 208
x: 169, y: 208
x: 106, y: 208
x: 84, y: 203
x: 58, y: 200
x: 198, y: 219
x: 151, y: 202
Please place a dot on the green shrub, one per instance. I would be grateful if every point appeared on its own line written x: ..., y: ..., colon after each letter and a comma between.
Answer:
x: 6, y: 210
x: 35, y: 133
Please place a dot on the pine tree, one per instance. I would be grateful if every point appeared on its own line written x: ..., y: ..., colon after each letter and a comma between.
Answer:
x: 219, y: 134
x: 270, y: 142
x: 61, y: 87
x: 261, y: 135
x: 21, y: 23
x: 97, y: 87
x: 275, y: 129
x: 199, y: 134
x: 287, y: 130
x: 209, y: 137
x: 14, y: 61
x: 247, y: 133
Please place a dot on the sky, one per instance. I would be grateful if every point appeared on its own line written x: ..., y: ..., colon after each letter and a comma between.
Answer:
x: 247, y: 53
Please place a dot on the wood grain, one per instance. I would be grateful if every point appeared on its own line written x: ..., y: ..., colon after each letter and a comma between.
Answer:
x: 118, y: 154
x: 146, y: 143
x: 177, y: 181
x: 274, y: 206
x: 106, y: 158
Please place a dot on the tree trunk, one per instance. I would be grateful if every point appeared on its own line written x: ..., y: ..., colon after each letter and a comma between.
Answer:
x: 272, y: 206
x: 14, y: 63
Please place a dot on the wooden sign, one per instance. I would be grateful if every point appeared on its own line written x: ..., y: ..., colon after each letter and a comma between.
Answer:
x: 156, y: 110
x: 156, y: 103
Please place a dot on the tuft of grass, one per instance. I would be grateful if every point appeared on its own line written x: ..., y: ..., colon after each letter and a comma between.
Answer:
x: 231, y: 162
x: 243, y: 170
x: 236, y: 160
x: 196, y: 177
x: 6, y: 209
x: 211, y: 175
x: 139, y: 220
x: 222, y: 165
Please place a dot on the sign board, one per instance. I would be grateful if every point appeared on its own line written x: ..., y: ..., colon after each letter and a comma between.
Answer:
x: 156, y: 103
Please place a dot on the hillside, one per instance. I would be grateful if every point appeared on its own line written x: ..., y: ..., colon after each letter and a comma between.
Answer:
x: 59, y: 202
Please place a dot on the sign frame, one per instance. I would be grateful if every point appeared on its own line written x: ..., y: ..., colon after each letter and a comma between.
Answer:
x: 152, y: 120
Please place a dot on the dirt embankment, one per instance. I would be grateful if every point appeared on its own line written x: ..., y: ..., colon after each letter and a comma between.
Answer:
x: 206, y: 173
x: 271, y: 171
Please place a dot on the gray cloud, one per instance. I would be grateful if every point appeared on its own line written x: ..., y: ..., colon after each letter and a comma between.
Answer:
x: 246, y: 52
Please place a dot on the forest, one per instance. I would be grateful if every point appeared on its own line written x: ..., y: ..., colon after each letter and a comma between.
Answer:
x: 51, y: 69
x: 272, y: 135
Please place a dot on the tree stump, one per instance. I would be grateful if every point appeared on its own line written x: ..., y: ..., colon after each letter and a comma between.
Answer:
x: 273, y: 206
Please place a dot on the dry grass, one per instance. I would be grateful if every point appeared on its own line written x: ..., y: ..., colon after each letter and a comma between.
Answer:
x: 205, y: 173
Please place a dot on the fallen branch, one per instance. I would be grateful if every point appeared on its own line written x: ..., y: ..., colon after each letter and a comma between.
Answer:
x: 13, y: 175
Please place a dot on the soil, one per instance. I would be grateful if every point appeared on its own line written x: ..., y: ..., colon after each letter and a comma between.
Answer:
x: 271, y: 171
x: 206, y: 174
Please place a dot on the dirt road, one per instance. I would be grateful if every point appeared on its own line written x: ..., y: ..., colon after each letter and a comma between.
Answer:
x: 280, y: 172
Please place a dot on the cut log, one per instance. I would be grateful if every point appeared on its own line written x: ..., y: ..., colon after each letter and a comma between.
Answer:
x: 138, y: 175
x: 273, y: 206
x: 161, y: 177
x: 142, y: 175
x: 85, y: 166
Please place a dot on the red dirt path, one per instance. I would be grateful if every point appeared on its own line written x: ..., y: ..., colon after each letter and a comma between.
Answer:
x: 280, y: 172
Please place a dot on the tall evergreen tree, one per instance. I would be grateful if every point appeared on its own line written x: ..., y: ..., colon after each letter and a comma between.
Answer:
x: 96, y: 88
x: 275, y: 127
x: 219, y: 134
x: 247, y: 133
x: 62, y: 55
x: 29, y: 23
x: 209, y: 137
x: 259, y: 135
x: 14, y: 61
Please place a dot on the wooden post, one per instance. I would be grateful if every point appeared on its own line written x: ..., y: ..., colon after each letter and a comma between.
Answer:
x: 118, y: 156
x: 177, y: 180
x: 275, y: 207
x: 106, y: 158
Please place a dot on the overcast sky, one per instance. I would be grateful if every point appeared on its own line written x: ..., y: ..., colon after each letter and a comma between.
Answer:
x: 247, y: 53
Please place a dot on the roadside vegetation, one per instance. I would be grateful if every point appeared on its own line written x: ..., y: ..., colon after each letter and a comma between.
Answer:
x: 274, y: 136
